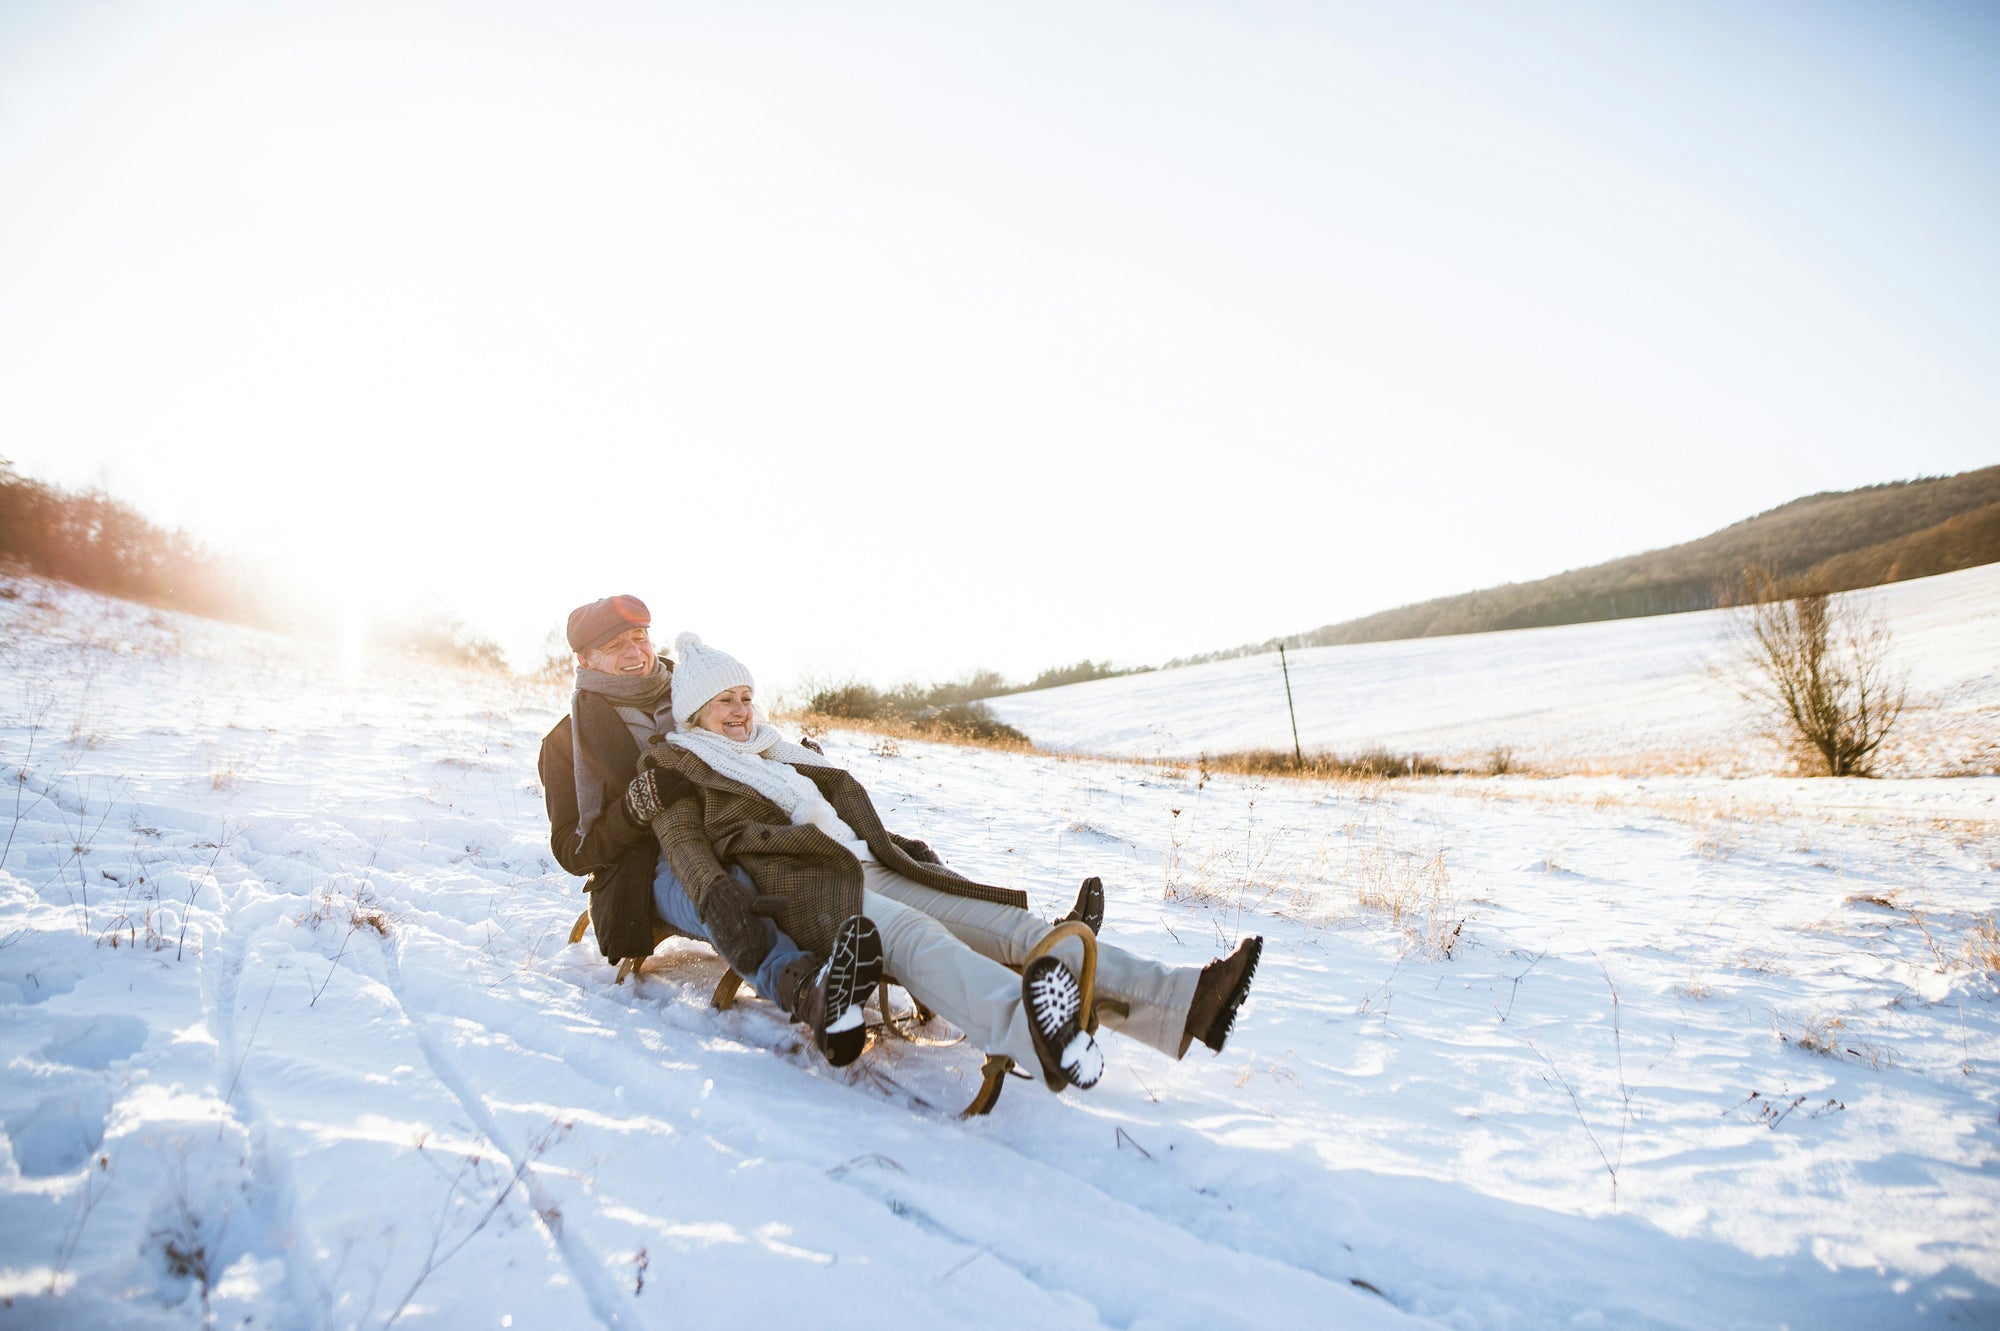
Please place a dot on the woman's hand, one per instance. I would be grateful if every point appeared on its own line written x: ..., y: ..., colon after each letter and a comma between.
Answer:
x: 734, y: 916
x: 919, y: 851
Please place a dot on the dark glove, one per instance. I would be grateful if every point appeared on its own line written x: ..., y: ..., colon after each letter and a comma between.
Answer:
x: 919, y: 851
x: 734, y: 916
x: 808, y: 742
x: 642, y: 798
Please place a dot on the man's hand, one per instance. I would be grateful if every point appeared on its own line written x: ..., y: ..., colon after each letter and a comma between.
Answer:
x: 734, y: 917
x: 642, y: 798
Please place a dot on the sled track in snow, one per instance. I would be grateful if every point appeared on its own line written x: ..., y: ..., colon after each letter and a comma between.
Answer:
x: 222, y: 1001
x: 606, y: 1300
x: 1008, y: 1223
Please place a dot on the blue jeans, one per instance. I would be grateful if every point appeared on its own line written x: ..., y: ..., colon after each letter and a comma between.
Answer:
x: 671, y: 900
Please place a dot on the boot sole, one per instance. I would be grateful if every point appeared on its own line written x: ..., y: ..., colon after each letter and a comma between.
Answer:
x: 854, y: 968
x: 1055, y: 1009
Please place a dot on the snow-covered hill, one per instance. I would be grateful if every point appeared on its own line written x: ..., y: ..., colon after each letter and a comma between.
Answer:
x: 293, y: 1035
x: 1629, y: 695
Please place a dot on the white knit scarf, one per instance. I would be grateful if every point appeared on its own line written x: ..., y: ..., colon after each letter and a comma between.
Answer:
x: 764, y: 763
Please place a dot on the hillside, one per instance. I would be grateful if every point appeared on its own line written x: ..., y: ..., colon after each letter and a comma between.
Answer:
x: 294, y: 1038
x: 1844, y: 540
x: 1630, y: 696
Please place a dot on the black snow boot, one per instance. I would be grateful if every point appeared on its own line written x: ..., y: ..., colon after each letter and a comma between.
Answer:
x: 1089, y: 907
x: 830, y: 1001
x: 1220, y: 991
x: 1069, y: 1054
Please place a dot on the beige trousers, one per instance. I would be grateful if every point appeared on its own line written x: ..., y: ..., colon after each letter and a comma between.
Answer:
x: 955, y: 955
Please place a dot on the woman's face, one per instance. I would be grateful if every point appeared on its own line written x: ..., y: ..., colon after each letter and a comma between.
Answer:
x: 729, y: 713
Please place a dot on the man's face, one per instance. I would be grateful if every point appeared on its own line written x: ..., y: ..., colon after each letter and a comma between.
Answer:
x: 630, y: 653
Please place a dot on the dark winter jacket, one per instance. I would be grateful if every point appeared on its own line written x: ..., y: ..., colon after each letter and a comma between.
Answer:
x: 617, y: 859
x: 816, y: 880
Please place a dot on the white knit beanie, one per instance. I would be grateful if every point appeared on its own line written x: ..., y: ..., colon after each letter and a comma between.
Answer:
x: 701, y: 672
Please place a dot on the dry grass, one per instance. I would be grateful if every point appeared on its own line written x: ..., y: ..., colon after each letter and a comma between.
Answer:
x: 1827, y: 1035
x: 1820, y: 1034
x: 890, y: 733
x: 1982, y: 944
x: 1232, y: 867
x: 1397, y: 871
x: 1371, y: 765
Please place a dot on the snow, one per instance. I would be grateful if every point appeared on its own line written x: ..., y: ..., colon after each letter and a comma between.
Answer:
x: 1574, y: 698
x: 294, y: 1035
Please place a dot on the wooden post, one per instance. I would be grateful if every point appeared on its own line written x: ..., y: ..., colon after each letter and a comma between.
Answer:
x: 1296, y: 752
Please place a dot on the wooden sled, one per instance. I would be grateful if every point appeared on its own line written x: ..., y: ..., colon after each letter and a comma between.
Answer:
x: 992, y: 1074
x: 725, y: 988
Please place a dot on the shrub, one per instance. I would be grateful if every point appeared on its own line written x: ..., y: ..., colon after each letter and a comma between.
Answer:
x: 1818, y: 669
x: 969, y: 721
x: 851, y: 701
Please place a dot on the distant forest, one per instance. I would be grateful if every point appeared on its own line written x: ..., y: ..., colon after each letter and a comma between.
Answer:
x: 95, y: 541
x: 1840, y: 541
x: 92, y: 540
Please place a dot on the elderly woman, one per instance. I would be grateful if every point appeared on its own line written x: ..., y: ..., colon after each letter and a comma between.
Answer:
x: 727, y: 789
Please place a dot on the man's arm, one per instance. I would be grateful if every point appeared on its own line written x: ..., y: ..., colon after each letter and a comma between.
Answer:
x: 611, y: 836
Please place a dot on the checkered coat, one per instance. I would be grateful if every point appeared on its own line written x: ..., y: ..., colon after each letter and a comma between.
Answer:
x: 711, y: 821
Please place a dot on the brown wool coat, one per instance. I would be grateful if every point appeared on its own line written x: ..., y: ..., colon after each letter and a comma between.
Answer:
x: 711, y: 821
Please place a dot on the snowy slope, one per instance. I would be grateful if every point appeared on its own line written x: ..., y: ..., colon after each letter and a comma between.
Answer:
x: 294, y: 1038
x: 1626, y: 695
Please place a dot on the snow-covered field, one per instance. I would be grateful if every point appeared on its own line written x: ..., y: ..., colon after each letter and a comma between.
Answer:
x: 294, y: 1036
x: 1624, y: 696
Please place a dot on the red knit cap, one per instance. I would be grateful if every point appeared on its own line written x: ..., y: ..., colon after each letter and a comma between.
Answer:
x: 593, y: 625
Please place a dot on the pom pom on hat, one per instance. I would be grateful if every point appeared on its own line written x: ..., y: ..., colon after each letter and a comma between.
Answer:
x: 701, y: 672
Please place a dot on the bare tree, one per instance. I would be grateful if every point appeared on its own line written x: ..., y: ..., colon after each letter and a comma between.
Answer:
x: 1819, y: 669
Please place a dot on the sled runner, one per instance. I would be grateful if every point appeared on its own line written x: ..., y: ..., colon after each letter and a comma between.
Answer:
x: 992, y: 1074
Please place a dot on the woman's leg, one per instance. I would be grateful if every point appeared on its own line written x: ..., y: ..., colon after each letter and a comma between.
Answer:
x: 979, y: 996
x: 1138, y: 997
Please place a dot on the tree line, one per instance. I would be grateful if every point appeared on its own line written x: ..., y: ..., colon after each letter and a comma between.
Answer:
x: 89, y: 539
x: 93, y: 540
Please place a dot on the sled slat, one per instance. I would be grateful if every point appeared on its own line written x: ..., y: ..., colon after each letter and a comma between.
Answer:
x: 992, y: 1080
x: 1087, y: 982
x: 725, y: 990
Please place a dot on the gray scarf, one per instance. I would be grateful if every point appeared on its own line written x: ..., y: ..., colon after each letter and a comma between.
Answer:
x: 645, y: 691
x: 632, y: 690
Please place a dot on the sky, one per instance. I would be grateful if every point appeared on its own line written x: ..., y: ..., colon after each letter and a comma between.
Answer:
x: 898, y: 340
